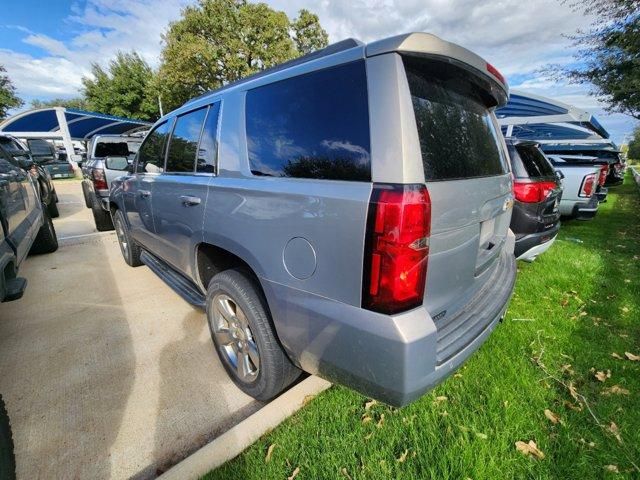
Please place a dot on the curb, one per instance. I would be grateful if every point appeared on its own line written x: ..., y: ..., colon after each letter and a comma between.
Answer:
x: 636, y: 176
x: 235, y: 440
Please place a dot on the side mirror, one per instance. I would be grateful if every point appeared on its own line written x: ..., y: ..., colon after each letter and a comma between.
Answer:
x: 559, y: 174
x: 117, y: 163
x: 25, y: 163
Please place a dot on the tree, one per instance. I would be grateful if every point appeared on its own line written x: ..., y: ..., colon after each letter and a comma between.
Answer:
x: 125, y: 89
x: 608, y: 58
x: 219, y: 41
x: 309, y: 34
x: 8, y: 97
x: 77, y: 103
x: 634, y: 145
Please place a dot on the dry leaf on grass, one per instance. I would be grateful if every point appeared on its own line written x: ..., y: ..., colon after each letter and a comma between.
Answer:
x: 612, y: 468
x: 403, y: 457
x: 616, y: 356
x: 345, y: 473
x: 553, y: 418
x: 381, y: 421
x: 573, y: 391
x: 632, y: 357
x: 370, y: 404
x: 481, y: 435
x: 625, y: 309
x: 267, y: 459
x: 573, y: 406
x: 440, y: 399
x: 567, y: 369
x: 529, y: 449
x: 602, y: 376
x: 294, y: 474
x: 366, y: 418
x: 307, y: 399
x: 613, y: 429
x: 615, y: 390
x: 564, y: 302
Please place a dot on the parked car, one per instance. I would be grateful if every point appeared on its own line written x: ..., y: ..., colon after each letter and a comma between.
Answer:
x: 25, y: 226
x: 596, y: 153
x: 346, y: 213
x: 579, y: 182
x: 21, y: 157
x: 109, y: 156
x: 45, y: 154
x: 604, y: 166
x: 538, y: 192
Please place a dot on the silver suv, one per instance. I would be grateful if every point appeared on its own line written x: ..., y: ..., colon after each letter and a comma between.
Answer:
x: 346, y: 214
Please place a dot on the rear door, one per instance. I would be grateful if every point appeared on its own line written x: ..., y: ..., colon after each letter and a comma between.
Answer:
x: 180, y: 192
x: 467, y: 175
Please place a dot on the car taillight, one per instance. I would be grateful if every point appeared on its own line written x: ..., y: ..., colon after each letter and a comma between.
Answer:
x: 99, y: 180
x: 496, y: 73
x: 587, y: 185
x: 396, y: 248
x: 532, y: 192
x: 604, y: 171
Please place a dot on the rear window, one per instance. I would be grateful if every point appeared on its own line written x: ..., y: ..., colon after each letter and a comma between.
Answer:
x: 458, y: 138
x: 527, y: 161
x: 311, y: 126
x: 112, y: 149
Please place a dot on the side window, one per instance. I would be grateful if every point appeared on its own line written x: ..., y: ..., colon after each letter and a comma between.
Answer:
x: 151, y: 153
x: 184, y: 141
x: 311, y: 126
x: 208, y: 149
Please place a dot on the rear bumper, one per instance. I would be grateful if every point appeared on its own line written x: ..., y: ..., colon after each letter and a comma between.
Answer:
x: 602, y: 194
x: 532, y: 245
x: 586, y: 210
x: 395, y: 359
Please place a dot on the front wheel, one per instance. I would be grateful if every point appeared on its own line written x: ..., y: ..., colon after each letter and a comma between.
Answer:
x: 244, y: 338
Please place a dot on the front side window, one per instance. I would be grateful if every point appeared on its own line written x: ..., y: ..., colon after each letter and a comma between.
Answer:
x: 151, y: 153
x: 184, y: 141
x: 311, y: 126
x: 458, y: 138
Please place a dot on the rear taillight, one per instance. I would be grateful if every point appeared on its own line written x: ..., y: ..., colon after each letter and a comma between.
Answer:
x: 532, y: 192
x: 99, y: 180
x: 587, y: 185
x: 396, y: 248
x: 604, y: 171
x: 496, y: 73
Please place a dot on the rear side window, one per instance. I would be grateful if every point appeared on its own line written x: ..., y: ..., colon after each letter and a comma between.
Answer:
x: 529, y: 162
x: 151, y: 153
x: 208, y: 149
x: 311, y: 126
x: 184, y: 141
x: 458, y: 138
x: 40, y: 147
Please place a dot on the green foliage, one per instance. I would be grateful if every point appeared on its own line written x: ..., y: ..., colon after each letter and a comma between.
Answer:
x: 609, y: 55
x: 78, y: 103
x: 219, y: 41
x: 124, y: 89
x: 8, y: 97
x: 634, y: 145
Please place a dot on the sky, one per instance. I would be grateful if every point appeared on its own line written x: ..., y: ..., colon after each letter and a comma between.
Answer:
x: 47, y: 47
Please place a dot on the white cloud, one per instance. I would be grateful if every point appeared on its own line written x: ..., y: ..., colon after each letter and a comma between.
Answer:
x: 518, y: 37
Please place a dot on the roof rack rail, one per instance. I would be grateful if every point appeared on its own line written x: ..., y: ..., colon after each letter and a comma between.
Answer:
x: 329, y: 50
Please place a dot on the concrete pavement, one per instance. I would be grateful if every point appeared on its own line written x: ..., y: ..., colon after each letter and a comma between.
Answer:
x: 106, y: 372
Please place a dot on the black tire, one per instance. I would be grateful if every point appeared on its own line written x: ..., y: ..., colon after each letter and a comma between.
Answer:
x: 46, y: 241
x: 103, y: 220
x: 87, y: 195
x: 53, y: 208
x: 7, y: 458
x: 130, y: 249
x: 275, y: 372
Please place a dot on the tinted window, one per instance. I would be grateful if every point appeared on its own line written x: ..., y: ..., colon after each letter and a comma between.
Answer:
x: 112, y: 149
x: 529, y: 161
x: 184, y: 141
x: 313, y: 126
x: 458, y: 138
x: 11, y: 146
x: 208, y: 149
x: 151, y: 153
x: 40, y: 147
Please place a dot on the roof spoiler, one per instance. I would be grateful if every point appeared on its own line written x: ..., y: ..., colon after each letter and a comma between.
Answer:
x: 432, y: 46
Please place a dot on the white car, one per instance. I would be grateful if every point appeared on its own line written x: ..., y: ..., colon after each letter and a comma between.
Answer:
x: 579, y: 183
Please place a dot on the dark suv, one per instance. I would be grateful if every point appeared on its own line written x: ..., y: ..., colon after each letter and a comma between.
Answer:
x: 346, y: 214
x: 537, y: 190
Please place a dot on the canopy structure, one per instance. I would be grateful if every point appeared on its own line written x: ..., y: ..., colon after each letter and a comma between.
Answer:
x: 536, y: 117
x: 68, y: 124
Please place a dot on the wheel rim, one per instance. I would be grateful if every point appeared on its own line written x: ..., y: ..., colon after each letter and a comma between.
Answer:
x: 122, y: 239
x: 235, y: 339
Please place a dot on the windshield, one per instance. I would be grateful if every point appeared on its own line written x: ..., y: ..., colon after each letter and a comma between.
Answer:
x: 458, y: 137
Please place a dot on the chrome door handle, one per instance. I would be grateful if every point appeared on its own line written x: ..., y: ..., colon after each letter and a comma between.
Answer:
x: 145, y: 193
x: 189, y: 201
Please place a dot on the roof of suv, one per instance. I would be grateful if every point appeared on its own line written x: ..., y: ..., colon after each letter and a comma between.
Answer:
x: 351, y: 49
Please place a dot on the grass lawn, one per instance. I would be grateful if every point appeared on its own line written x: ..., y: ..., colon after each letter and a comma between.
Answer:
x: 573, y: 308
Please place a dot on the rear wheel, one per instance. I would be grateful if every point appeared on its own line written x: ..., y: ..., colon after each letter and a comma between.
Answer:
x: 7, y: 458
x: 87, y: 195
x: 244, y: 338
x: 101, y: 216
x: 129, y: 248
x: 46, y: 240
